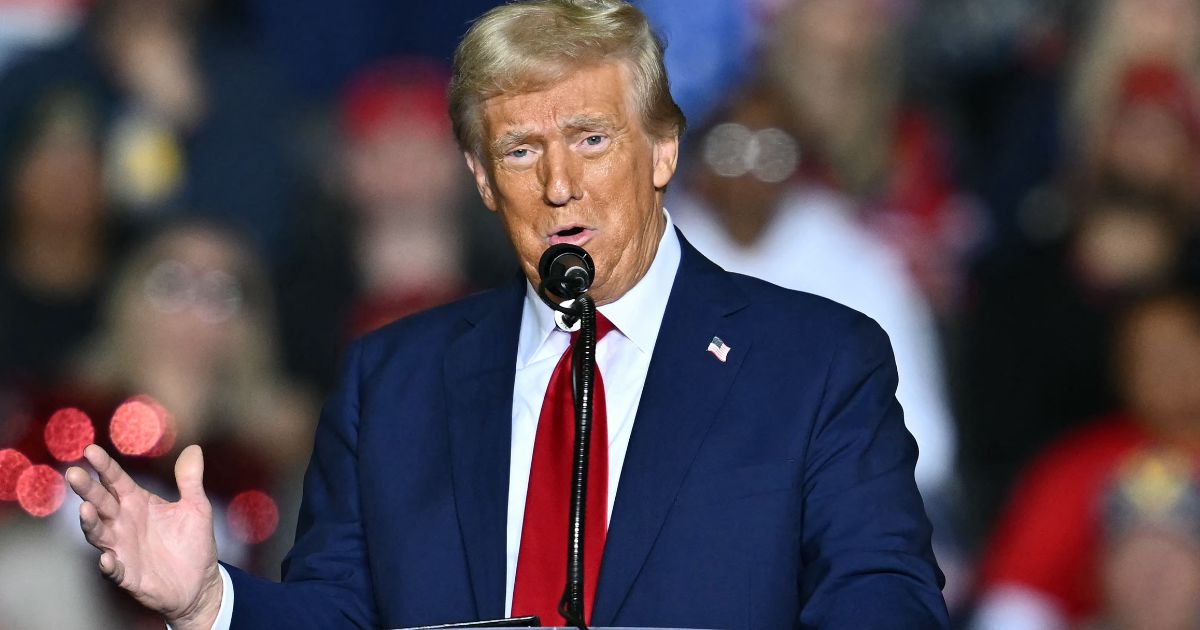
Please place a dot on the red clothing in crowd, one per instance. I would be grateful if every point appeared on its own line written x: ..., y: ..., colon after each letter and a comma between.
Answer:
x: 1048, y: 539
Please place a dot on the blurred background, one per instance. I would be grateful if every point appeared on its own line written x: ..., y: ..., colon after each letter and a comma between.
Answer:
x: 202, y: 201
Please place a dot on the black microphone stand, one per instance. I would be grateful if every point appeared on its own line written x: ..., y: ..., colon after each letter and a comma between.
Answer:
x: 584, y: 372
x: 583, y: 368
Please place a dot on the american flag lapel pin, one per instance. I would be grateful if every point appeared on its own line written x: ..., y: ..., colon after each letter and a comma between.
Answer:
x: 719, y: 349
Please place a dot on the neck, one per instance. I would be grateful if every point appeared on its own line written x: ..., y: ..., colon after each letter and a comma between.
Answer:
x: 184, y: 392
x: 407, y: 251
x: 53, y: 261
x: 747, y: 227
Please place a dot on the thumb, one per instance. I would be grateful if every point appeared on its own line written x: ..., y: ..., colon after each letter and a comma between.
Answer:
x: 189, y: 475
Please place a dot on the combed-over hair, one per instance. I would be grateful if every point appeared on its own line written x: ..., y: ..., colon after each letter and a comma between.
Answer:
x: 526, y: 46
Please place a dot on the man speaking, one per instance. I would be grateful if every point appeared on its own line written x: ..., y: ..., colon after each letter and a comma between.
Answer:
x: 759, y: 474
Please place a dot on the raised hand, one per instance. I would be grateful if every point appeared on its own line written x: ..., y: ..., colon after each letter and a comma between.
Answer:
x: 162, y: 553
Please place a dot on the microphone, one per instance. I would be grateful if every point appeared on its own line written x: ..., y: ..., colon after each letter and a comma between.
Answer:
x: 567, y: 270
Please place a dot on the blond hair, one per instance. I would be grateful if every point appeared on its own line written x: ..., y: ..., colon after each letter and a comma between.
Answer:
x: 525, y: 46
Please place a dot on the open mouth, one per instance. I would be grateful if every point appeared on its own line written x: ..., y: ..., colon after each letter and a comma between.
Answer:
x: 575, y: 235
x: 570, y: 231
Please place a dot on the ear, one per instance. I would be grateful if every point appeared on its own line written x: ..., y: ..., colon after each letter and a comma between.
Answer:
x: 483, y: 183
x: 666, y: 157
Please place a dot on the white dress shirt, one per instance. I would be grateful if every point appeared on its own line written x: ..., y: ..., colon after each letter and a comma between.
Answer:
x: 623, y: 359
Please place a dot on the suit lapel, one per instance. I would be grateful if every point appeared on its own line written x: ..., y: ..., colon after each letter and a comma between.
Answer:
x: 479, y: 371
x: 684, y: 389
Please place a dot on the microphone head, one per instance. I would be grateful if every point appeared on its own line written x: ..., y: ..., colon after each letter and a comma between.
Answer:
x: 566, y: 270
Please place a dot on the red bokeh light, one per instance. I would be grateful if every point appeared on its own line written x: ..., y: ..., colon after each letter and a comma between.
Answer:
x: 253, y: 516
x: 12, y: 464
x: 139, y: 427
x: 67, y: 433
x: 40, y: 490
x: 166, y: 441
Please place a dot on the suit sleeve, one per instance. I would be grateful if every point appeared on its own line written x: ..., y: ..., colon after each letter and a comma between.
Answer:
x: 326, y: 581
x: 866, y: 540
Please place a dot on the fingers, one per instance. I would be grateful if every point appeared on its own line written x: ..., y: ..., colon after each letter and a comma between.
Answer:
x: 92, y: 492
x: 112, y: 475
x: 112, y: 568
x: 189, y: 475
x: 93, y: 529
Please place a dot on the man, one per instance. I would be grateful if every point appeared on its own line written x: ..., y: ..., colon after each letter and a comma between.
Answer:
x: 759, y: 472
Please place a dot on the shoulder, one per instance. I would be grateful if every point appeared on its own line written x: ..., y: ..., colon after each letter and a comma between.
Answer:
x: 781, y: 313
x: 807, y: 317
x: 429, y: 332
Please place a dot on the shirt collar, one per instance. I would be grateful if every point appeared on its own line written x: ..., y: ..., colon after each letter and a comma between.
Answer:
x: 637, y: 315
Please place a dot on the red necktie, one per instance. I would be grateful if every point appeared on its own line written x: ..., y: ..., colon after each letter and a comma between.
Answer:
x: 542, y: 562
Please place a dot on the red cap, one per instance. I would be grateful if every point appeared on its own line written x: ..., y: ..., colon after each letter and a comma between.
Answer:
x: 1161, y: 85
x: 411, y: 90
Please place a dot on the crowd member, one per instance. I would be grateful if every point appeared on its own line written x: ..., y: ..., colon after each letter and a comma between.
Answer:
x: 189, y: 118
x: 188, y: 327
x: 1121, y: 34
x: 394, y: 226
x: 58, y: 235
x: 775, y: 451
x: 1033, y: 108
x: 1151, y: 142
x: 1109, y: 511
x: 1033, y: 350
x: 840, y: 67
x: 407, y: 189
x: 191, y: 323
x: 1150, y: 561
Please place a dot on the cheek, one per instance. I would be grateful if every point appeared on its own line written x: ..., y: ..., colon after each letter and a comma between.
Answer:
x: 523, y: 236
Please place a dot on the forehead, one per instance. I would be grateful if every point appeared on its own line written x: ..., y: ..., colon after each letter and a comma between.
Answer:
x: 599, y: 91
x: 202, y: 249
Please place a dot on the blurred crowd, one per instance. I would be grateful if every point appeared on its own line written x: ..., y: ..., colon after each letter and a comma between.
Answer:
x: 202, y: 201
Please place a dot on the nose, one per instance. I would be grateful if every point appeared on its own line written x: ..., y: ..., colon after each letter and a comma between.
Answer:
x: 561, y: 174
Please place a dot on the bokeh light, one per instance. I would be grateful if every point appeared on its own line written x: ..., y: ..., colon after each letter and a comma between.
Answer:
x: 12, y: 464
x: 253, y: 516
x: 67, y: 433
x: 166, y: 441
x: 138, y: 427
x: 40, y: 490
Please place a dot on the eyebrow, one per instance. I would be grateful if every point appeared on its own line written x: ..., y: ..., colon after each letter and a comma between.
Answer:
x: 509, y: 139
x: 579, y: 122
x: 589, y: 122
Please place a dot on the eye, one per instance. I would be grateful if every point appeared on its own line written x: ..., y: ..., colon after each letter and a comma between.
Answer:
x: 595, y: 143
x: 520, y: 157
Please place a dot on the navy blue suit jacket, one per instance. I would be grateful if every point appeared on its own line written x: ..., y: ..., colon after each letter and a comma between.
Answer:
x: 771, y: 491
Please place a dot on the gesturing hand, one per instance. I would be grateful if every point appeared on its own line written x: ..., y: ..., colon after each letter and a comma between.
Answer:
x: 162, y: 553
